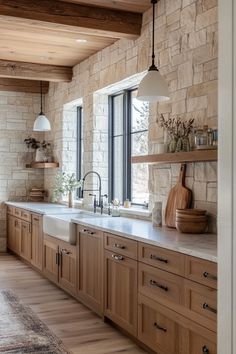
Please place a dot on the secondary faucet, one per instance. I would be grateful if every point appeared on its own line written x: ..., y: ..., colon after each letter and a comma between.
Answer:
x: 99, y: 190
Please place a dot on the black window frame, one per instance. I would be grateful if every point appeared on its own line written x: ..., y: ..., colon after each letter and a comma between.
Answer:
x: 79, y: 147
x: 127, y: 145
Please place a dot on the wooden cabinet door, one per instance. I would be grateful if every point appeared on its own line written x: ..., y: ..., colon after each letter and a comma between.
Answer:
x: 158, y: 328
x: 37, y: 241
x: 67, y: 267
x: 90, y: 275
x: 26, y: 250
x: 11, y: 232
x: 121, y: 291
x: 50, y: 258
x: 17, y: 236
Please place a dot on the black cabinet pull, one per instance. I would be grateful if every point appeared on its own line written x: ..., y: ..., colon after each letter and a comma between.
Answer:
x: 209, y: 308
x: 156, y: 284
x: 156, y: 258
x: 159, y: 327
x: 210, y: 276
x: 205, y: 350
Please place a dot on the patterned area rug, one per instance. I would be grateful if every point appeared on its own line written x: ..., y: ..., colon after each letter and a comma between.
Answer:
x: 21, y: 331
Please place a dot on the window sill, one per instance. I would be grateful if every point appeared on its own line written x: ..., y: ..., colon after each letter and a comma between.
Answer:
x: 136, y: 212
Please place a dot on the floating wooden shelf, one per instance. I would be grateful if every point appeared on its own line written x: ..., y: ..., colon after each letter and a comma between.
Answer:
x: 43, y: 165
x: 191, y: 156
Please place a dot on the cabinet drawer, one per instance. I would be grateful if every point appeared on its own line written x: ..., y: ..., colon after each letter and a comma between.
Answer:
x: 10, y: 210
x: 160, y: 285
x: 161, y: 258
x: 17, y: 212
x: 122, y: 245
x: 157, y: 329
x: 201, y: 300
x: 25, y: 215
x: 201, y: 271
x: 89, y: 231
x: 199, y: 344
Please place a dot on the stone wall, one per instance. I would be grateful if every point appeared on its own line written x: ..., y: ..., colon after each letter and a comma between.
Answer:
x: 17, y: 115
x: 186, y: 49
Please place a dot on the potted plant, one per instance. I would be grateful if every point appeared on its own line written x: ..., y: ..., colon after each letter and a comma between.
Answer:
x: 65, y: 184
x: 178, y: 132
x: 42, y: 149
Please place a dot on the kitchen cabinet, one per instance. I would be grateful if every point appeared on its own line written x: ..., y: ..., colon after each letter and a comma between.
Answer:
x: 37, y: 241
x: 121, y: 291
x: 11, y: 232
x: 17, y: 236
x: 50, y: 258
x: 59, y: 263
x: 25, y: 244
x: 67, y: 267
x: 90, y: 268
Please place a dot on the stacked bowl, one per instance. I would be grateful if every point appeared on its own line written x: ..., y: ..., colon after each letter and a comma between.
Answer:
x: 191, y: 221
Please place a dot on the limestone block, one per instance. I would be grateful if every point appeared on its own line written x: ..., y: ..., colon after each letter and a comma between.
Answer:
x: 200, y: 191
x: 203, y: 54
x: 197, y: 39
x: 207, y: 18
x: 188, y: 16
x: 212, y: 192
x: 196, y: 103
x: 202, y: 89
x: 172, y: 6
x: 185, y: 75
x: 179, y: 107
x: 212, y: 108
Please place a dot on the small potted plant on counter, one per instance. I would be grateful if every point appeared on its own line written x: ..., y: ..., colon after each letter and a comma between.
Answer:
x: 65, y: 184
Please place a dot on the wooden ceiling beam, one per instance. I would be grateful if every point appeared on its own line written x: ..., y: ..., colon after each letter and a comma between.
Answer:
x: 89, y: 19
x: 17, y: 85
x: 32, y: 71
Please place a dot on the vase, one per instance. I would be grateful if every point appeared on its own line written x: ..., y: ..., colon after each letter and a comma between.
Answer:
x: 172, y: 145
x: 40, y: 155
x: 183, y: 144
x: 70, y: 200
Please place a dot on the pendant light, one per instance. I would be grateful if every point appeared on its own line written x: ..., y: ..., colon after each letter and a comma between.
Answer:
x: 41, y: 123
x: 153, y: 87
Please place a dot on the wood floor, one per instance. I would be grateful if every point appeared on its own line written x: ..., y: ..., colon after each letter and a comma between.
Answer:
x: 79, y: 328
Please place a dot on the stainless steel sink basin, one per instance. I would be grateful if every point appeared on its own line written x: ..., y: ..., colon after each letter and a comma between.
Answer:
x: 61, y: 227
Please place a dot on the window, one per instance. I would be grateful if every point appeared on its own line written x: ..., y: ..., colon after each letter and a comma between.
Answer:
x: 128, y: 136
x: 80, y: 147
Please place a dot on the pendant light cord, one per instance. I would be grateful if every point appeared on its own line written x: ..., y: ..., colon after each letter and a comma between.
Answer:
x: 41, y: 93
x: 153, y: 66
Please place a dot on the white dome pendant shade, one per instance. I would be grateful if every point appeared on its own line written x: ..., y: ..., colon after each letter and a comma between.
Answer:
x: 41, y: 123
x: 153, y: 87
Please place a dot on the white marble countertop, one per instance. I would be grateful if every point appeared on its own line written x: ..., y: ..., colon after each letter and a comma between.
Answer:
x: 44, y: 208
x: 203, y: 246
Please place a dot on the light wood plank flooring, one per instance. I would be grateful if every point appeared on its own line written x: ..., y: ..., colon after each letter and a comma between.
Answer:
x: 78, y: 327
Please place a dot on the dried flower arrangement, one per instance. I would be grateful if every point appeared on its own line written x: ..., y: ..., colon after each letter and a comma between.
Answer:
x: 178, y: 132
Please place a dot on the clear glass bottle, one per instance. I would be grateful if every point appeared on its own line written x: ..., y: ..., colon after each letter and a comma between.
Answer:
x: 157, y: 214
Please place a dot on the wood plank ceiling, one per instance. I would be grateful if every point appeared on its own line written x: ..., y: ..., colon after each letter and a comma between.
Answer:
x: 61, y: 33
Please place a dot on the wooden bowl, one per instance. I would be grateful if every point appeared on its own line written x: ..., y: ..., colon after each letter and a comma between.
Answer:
x: 191, y: 227
x: 191, y: 217
x: 191, y: 211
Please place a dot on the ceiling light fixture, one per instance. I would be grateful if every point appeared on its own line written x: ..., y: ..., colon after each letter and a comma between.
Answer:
x: 41, y: 123
x: 81, y: 40
x: 153, y: 87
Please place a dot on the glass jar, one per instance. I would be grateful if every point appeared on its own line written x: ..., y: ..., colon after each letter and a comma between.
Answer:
x: 157, y: 214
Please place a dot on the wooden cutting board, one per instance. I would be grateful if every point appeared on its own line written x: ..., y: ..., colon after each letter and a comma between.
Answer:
x: 179, y: 197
